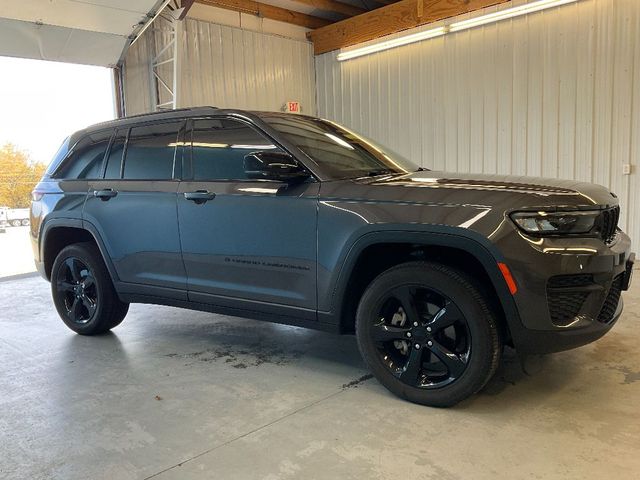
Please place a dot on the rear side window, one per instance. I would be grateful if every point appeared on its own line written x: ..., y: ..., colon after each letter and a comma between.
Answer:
x: 219, y: 147
x: 58, y: 157
x: 114, y: 160
x: 151, y: 151
x: 86, y: 158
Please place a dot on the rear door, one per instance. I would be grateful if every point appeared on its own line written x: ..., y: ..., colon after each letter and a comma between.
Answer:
x: 83, y: 164
x: 251, y: 240
x: 133, y: 208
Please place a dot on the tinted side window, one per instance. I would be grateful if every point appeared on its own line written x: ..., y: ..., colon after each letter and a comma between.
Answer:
x: 86, y: 158
x: 114, y: 160
x: 58, y: 157
x: 151, y: 151
x: 219, y: 147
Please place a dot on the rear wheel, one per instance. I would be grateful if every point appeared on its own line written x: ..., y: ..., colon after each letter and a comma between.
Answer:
x: 83, y: 292
x: 427, y: 333
x: 15, y: 223
x: 25, y: 223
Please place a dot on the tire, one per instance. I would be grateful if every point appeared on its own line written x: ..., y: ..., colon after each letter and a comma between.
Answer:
x: 25, y: 223
x: 438, y: 308
x: 16, y: 223
x: 83, y: 293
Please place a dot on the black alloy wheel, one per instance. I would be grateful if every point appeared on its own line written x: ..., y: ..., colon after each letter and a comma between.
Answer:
x: 76, y: 287
x: 427, y: 333
x: 422, y: 337
x: 83, y: 292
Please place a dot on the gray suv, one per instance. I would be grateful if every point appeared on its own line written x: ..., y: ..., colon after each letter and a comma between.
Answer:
x: 298, y: 220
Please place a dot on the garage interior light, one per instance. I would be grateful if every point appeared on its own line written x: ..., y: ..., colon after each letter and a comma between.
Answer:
x: 507, y: 13
x: 396, y: 42
x: 503, y: 14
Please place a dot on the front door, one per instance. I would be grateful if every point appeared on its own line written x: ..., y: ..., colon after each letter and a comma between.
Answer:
x: 244, y: 238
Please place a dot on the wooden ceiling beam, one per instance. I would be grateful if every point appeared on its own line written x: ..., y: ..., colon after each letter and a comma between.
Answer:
x: 186, y: 5
x: 334, y: 6
x: 268, y: 11
x: 393, y: 18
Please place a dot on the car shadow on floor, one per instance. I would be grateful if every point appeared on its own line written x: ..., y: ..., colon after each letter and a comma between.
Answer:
x: 198, y: 339
x: 247, y: 343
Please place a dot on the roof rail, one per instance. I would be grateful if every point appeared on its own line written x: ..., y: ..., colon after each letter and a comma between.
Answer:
x: 186, y: 109
x: 148, y: 114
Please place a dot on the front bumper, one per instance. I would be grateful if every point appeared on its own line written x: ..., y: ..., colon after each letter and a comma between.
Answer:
x: 569, y: 290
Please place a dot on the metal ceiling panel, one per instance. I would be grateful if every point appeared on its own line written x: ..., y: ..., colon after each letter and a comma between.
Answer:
x: 46, y: 42
x: 91, y: 32
x: 116, y: 17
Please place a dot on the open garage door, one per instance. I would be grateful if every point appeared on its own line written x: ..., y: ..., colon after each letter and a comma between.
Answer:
x: 93, y: 33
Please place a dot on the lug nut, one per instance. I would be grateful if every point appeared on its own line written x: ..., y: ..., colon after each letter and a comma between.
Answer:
x: 430, y: 343
x: 417, y: 346
x: 408, y: 334
x: 428, y: 329
x: 415, y: 324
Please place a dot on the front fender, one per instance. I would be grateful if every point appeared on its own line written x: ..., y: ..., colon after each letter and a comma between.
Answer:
x: 469, y: 241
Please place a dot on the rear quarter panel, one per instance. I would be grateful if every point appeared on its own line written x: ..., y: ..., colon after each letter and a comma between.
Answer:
x: 62, y: 202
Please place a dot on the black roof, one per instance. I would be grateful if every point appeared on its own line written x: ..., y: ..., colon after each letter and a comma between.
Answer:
x: 179, y: 112
x: 168, y: 114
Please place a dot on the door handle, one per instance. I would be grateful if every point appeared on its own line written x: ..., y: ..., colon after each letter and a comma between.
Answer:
x: 105, y: 194
x: 200, y: 196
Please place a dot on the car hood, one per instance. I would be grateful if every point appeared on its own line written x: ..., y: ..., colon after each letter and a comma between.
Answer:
x: 524, y: 191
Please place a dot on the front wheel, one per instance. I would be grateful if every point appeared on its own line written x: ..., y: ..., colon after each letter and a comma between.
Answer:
x: 427, y: 333
x: 83, y: 292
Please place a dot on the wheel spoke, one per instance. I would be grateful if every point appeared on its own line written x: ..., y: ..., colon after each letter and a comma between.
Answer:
x: 88, y: 281
x: 446, y: 316
x: 411, y: 370
x: 89, y: 304
x: 405, y: 296
x: 65, y: 286
x: 74, y: 311
x: 74, y: 268
x: 386, y: 333
x: 455, y: 365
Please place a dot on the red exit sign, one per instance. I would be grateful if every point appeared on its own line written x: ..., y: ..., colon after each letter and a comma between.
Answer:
x: 292, y: 107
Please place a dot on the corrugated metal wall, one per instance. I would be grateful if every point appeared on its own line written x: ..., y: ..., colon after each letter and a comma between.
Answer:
x: 230, y: 67
x: 226, y: 67
x: 554, y: 94
x: 138, y: 94
x: 136, y: 81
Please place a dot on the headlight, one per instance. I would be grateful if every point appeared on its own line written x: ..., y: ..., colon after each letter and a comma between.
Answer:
x: 556, y: 223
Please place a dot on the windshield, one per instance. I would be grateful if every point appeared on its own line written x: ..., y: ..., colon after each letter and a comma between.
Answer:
x: 339, y: 152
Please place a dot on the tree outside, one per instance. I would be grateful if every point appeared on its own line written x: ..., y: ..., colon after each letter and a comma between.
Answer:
x: 18, y: 176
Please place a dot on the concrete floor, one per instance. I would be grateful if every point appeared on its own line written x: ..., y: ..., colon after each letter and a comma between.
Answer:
x: 173, y: 394
x: 16, y: 256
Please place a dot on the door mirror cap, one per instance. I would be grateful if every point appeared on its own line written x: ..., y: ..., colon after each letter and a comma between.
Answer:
x: 278, y: 166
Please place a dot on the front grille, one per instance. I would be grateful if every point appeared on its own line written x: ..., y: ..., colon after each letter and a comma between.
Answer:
x: 565, y: 306
x: 609, y: 224
x: 611, y: 302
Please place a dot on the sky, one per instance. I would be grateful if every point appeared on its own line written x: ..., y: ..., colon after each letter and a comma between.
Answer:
x: 41, y: 103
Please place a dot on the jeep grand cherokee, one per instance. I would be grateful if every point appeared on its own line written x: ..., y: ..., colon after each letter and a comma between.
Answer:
x: 298, y: 220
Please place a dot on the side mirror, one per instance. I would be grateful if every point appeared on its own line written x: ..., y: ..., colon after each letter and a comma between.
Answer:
x: 277, y: 166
